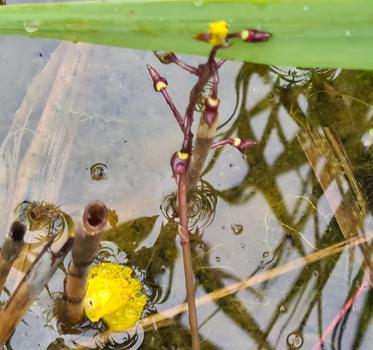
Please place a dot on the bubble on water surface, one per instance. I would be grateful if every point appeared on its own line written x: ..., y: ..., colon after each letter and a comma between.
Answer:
x: 294, y: 341
x: 98, y: 171
x: 236, y: 228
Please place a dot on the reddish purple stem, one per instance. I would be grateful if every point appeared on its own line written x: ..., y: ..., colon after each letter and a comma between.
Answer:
x: 350, y: 302
x: 241, y: 145
x: 174, y: 110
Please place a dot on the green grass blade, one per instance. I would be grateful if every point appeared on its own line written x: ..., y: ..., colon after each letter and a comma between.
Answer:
x: 308, y: 33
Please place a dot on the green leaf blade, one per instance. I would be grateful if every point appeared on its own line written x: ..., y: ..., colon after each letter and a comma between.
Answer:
x: 313, y: 33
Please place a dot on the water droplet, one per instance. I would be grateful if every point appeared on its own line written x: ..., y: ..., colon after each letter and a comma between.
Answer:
x: 294, y: 340
x: 283, y: 308
x: 31, y: 26
x: 305, y: 8
x: 267, y: 258
x: 218, y: 259
x: 198, y: 3
x: 236, y: 228
x: 242, y: 245
x: 347, y: 33
x: 98, y: 171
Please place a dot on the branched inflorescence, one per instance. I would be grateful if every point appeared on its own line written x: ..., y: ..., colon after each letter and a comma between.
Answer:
x: 187, y: 167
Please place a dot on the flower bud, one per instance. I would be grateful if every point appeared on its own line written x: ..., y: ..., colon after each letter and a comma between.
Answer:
x: 179, y: 163
x: 254, y: 36
x: 159, y: 82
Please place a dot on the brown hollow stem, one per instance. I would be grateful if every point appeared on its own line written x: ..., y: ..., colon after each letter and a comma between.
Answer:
x: 187, y: 260
x: 31, y: 286
x: 202, y: 145
x: 86, y: 245
x: 11, y: 249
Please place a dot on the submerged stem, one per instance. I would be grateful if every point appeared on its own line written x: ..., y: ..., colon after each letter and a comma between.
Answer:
x: 187, y: 260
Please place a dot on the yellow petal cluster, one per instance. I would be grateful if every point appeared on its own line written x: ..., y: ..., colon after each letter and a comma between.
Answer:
x: 113, y: 296
x: 218, y: 31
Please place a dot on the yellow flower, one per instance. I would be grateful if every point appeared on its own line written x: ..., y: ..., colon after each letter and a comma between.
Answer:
x: 218, y: 31
x: 114, y: 296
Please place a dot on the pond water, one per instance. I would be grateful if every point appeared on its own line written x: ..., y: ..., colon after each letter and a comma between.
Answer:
x: 67, y: 107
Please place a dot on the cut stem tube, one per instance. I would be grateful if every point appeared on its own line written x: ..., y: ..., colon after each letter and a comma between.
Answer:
x: 84, y: 251
x: 11, y: 249
x: 31, y: 286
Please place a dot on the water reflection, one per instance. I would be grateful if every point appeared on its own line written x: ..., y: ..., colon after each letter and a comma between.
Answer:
x: 267, y: 209
x: 279, y: 170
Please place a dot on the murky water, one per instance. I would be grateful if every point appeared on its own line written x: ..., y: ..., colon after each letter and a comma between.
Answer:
x: 66, y: 109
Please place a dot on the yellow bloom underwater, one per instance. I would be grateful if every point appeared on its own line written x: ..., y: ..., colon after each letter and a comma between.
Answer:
x: 114, y: 296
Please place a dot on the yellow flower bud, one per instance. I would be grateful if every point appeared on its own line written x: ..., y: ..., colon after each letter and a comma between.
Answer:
x: 183, y: 155
x: 218, y: 31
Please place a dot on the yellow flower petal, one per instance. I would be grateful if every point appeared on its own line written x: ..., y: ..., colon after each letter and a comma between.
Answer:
x: 218, y: 31
x: 127, y: 315
x: 114, y: 296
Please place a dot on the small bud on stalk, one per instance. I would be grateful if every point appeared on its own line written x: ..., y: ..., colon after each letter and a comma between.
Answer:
x: 179, y: 163
x: 159, y: 82
x: 241, y: 145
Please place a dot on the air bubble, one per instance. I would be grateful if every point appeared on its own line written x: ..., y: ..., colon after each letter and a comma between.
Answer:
x: 237, y: 229
x: 98, y: 171
x: 294, y: 341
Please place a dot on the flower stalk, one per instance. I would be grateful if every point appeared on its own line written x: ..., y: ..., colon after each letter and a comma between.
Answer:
x: 187, y: 164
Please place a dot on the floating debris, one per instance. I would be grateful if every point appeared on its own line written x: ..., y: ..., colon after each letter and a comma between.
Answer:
x: 113, y: 218
x: 98, y: 171
x: 113, y: 296
x: 283, y: 308
x: 43, y: 216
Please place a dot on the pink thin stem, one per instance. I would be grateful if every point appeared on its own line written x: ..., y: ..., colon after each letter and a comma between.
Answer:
x: 183, y: 65
x: 350, y: 302
x: 221, y: 143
